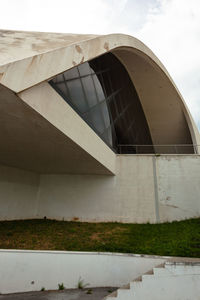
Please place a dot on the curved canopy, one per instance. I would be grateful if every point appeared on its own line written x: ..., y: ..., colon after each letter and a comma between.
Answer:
x: 29, y: 59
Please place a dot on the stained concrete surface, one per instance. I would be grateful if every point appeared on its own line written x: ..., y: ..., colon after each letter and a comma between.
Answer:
x: 71, y: 294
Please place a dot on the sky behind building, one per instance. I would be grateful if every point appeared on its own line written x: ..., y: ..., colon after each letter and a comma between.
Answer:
x: 170, y: 28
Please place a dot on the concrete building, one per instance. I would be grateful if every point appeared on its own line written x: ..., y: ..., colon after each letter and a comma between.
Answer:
x: 93, y: 129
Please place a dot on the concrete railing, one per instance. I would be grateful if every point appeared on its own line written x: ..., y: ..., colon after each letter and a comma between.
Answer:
x: 159, y: 149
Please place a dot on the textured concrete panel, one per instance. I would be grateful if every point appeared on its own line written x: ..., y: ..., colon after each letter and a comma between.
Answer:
x: 126, y: 197
x: 145, y: 189
x: 18, y: 194
x: 179, y: 187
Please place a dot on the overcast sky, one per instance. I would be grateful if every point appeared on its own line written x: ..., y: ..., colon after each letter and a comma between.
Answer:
x: 171, y: 28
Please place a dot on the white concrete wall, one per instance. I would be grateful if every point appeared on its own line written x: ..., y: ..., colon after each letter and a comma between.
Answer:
x: 146, y: 188
x: 142, y: 191
x: 23, y: 271
x: 178, y: 187
x: 18, y: 193
x: 126, y: 197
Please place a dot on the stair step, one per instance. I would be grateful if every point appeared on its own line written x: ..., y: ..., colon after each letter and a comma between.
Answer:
x: 123, y: 294
x: 176, y: 270
x: 111, y: 296
x: 166, y: 281
x: 169, y: 287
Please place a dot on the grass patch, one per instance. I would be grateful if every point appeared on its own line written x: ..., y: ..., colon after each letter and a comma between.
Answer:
x: 171, y: 239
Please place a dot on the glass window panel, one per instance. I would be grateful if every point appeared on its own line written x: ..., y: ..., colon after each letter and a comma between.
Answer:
x: 103, y: 94
x: 99, y: 88
x: 84, y: 69
x: 109, y: 133
x: 58, y: 78
x: 86, y: 116
x: 76, y: 95
x: 107, y: 136
x: 91, y: 70
x: 130, y: 113
x: 107, y: 84
x: 122, y: 102
x: 124, y: 99
x: 121, y: 121
x: 117, y: 102
x: 97, y: 119
x: 114, y: 136
x: 62, y: 88
x: 105, y: 114
x: 104, y: 136
x: 116, y: 107
x: 112, y: 109
x: 89, y: 90
x: 70, y: 74
x: 126, y: 118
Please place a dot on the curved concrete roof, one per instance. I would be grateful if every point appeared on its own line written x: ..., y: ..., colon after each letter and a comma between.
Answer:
x: 48, y: 54
x: 17, y: 45
x: 28, y: 59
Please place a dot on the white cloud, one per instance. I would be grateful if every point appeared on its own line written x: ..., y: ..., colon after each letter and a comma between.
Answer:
x: 172, y: 31
x: 76, y: 16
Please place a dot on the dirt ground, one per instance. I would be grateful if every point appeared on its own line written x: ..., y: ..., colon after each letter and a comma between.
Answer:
x: 72, y: 294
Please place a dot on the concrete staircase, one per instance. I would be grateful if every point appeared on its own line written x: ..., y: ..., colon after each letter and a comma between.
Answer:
x: 169, y: 281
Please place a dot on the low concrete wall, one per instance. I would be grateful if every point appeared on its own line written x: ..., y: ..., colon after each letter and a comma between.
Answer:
x: 23, y: 271
x: 146, y: 188
x: 18, y: 193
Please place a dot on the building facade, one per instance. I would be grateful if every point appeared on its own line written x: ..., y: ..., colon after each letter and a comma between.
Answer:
x: 93, y: 129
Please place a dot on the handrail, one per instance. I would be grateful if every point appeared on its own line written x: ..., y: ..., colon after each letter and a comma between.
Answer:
x: 159, y: 149
x: 159, y: 145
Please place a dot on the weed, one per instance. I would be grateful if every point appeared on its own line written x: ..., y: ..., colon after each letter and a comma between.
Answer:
x: 42, y: 289
x: 89, y: 291
x: 61, y: 286
x: 81, y: 284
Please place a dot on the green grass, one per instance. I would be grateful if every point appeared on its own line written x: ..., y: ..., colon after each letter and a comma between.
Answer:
x: 172, y: 239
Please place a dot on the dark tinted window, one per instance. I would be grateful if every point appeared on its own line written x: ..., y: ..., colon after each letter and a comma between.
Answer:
x: 105, y: 97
